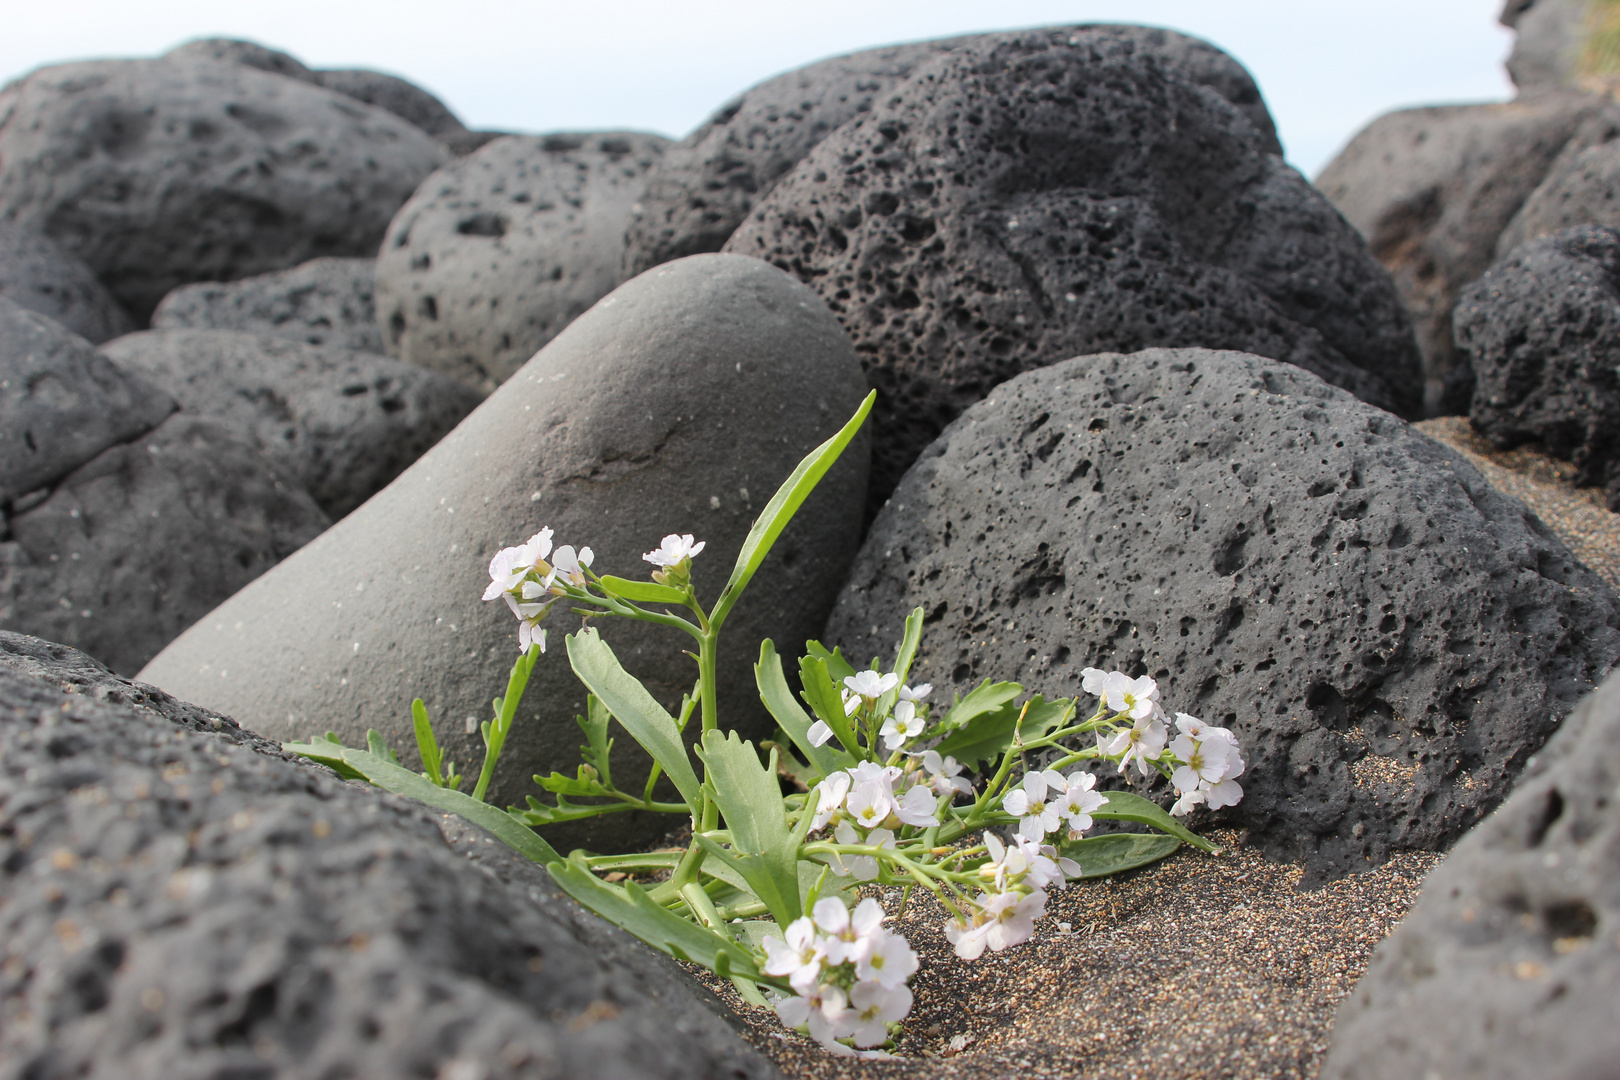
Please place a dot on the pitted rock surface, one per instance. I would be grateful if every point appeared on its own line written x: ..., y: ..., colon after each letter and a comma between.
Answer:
x: 246, y: 53
x: 501, y: 249
x: 1389, y: 637
x: 1581, y: 188
x: 37, y: 274
x: 404, y: 99
x: 162, y: 172
x: 179, y: 905
x: 146, y: 538
x: 677, y: 404
x: 1542, y: 333
x: 706, y: 185
x: 1016, y: 205
x: 61, y: 402
x: 328, y: 301
x: 342, y: 424
x: 1507, y: 964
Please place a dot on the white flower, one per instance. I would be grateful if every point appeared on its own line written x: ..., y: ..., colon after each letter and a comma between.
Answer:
x: 890, y: 961
x: 861, y: 867
x: 870, y: 772
x: 799, y: 957
x: 1188, y: 801
x: 967, y: 937
x: 1136, y: 698
x: 904, y: 723
x: 830, y: 792
x: 1029, y: 804
x: 1079, y: 800
x: 826, y: 1012
x: 1041, y: 865
x: 819, y: 733
x: 1093, y: 681
x: 944, y: 773
x: 875, y: 1006
x: 917, y: 807
x: 1202, y: 762
x: 674, y: 549
x: 509, y: 565
x: 1143, y: 740
x: 870, y: 684
x: 870, y: 804
x: 529, y: 616
x: 1225, y: 793
x: 1012, y: 918
x: 849, y: 936
x: 916, y: 693
x: 571, y: 564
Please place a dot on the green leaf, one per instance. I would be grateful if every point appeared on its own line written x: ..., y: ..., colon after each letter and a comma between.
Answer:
x: 780, y: 510
x: 1101, y: 856
x: 597, y: 746
x: 838, y: 667
x: 778, y: 698
x: 327, y: 750
x: 987, y: 697
x: 1125, y: 806
x: 378, y: 746
x: 989, y: 735
x: 581, y: 785
x: 643, y: 592
x: 825, y: 701
x: 908, y: 644
x: 750, y: 798
x: 634, y: 708
x: 426, y: 744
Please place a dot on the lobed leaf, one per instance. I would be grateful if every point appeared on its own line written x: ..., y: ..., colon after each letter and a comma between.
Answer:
x: 764, y: 850
x: 989, y: 735
x: 825, y: 701
x: 778, y: 699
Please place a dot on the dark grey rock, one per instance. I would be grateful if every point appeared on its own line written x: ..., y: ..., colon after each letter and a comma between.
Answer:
x: 463, y: 143
x: 179, y: 905
x: 403, y: 99
x: 37, y: 274
x: 499, y: 250
x: 342, y: 424
x: 323, y: 302
x: 137, y: 544
x: 1542, y: 333
x: 678, y: 403
x: 1506, y: 967
x: 61, y: 402
x: 1100, y: 201
x: 1388, y: 636
x: 162, y: 172
x: 1581, y: 188
x: 1433, y: 189
x: 246, y: 53
x: 1547, y: 45
x: 706, y: 186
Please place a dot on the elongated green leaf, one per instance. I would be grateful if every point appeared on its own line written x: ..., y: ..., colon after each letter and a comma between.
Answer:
x: 989, y: 735
x: 1101, y: 856
x: 750, y: 800
x: 838, y: 666
x: 1126, y: 806
x: 643, y: 592
x: 825, y: 701
x: 598, y: 747
x: 826, y: 759
x: 426, y: 744
x: 908, y: 644
x: 780, y: 510
x: 327, y: 750
x: 987, y: 697
x: 633, y: 707
x: 378, y: 746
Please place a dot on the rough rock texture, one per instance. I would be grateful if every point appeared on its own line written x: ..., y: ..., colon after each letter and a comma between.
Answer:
x: 706, y: 185
x: 323, y: 302
x: 1581, y: 188
x: 179, y: 905
x: 1542, y: 333
x: 500, y: 250
x: 1507, y: 965
x: 679, y: 403
x: 1389, y: 637
x: 1433, y: 189
x: 61, y: 402
x: 1065, y: 193
x: 161, y: 172
x: 399, y: 97
x: 37, y: 274
x: 342, y: 424
x: 246, y: 53
x: 137, y: 544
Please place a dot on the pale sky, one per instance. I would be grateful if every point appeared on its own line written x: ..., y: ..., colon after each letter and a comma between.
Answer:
x: 1326, y: 68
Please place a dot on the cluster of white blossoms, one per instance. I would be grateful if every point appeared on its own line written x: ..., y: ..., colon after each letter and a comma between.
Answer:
x: 1048, y: 801
x: 867, y: 805
x: 528, y: 582
x: 849, y: 974
x: 861, y: 693
x: 1015, y: 882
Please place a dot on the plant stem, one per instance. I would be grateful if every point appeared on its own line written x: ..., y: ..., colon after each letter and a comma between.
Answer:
x: 707, y: 666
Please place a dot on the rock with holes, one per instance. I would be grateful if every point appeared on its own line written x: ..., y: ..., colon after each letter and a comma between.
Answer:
x: 342, y: 424
x: 706, y: 185
x: 1508, y: 965
x: 403, y: 99
x: 1057, y: 193
x: 677, y: 404
x: 323, y: 302
x: 246, y: 53
x: 179, y: 904
x: 37, y: 274
x: 61, y: 402
x: 1582, y: 188
x: 135, y: 545
x: 1389, y: 637
x: 500, y: 250
x: 157, y: 173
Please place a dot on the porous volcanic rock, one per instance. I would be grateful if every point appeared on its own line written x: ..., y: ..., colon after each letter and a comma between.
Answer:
x: 342, y: 424
x: 328, y: 301
x: 1506, y: 966
x: 162, y: 172
x: 1388, y: 636
x: 503, y: 248
x: 1542, y: 333
x: 706, y: 185
x: 677, y: 404
x: 403, y: 99
x: 1061, y: 193
x: 246, y: 53
x: 1581, y: 188
x: 37, y: 274
x: 137, y: 544
x: 180, y: 905
x: 61, y: 402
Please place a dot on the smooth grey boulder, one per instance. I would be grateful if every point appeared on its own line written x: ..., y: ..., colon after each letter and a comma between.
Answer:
x: 1541, y: 331
x: 499, y: 250
x: 178, y: 904
x: 1581, y: 188
x: 61, y: 402
x: 1389, y: 637
x: 677, y: 404
x: 1095, y: 200
x: 37, y: 274
x: 157, y: 173
x: 1432, y: 191
x: 246, y: 53
x: 403, y: 99
x: 342, y: 424
x: 327, y: 301
x: 137, y: 544
x: 1549, y: 40
x: 706, y: 185
x: 1506, y: 966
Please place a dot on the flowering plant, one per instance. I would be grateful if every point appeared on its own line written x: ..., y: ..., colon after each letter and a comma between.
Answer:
x: 889, y: 789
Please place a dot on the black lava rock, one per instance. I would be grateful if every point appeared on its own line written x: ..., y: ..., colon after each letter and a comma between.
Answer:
x: 37, y: 274
x: 322, y: 302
